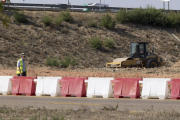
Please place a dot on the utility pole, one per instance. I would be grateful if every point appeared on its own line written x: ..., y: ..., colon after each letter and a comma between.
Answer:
x: 100, y: 1
x: 23, y: 3
x: 68, y: 2
x: 163, y: 5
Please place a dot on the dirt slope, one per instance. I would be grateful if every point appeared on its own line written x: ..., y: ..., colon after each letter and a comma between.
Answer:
x: 71, y: 39
x: 177, y: 65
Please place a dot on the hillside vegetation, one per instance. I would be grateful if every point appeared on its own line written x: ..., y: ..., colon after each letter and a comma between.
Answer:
x: 84, y: 40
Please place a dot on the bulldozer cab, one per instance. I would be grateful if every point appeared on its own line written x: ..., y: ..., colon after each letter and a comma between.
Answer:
x: 139, y: 50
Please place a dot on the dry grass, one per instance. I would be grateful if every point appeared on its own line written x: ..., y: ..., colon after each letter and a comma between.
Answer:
x: 106, y: 113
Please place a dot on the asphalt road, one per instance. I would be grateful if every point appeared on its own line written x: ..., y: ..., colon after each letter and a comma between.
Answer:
x: 92, y: 103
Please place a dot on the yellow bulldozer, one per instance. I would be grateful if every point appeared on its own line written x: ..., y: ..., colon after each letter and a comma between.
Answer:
x: 139, y: 57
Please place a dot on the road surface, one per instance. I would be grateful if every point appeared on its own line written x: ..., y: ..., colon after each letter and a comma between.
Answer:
x: 92, y: 103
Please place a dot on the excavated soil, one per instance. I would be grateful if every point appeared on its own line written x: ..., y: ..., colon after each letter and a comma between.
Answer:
x: 40, y: 42
x: 171, y: 72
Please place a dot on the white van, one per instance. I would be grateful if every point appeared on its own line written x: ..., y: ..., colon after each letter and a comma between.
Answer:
x: 98, y: 5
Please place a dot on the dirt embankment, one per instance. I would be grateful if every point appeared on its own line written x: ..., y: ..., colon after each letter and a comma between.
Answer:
x: 71, y: 39
x: 172, y: 72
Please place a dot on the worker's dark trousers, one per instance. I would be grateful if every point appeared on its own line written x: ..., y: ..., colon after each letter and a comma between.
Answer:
x: 23, y: 74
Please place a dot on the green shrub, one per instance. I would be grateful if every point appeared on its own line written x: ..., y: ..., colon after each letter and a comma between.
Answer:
x: 92, y: 23
x: 121, y: 16
x: 68, y: 61
x: 4, y: 18
x: 58, y: 117
x: 149, y: 16
x: 66, y: 16
x: 20, y: 17
x: 178, y: 19
x: 107, y: 22
x: 52, y: 62
x: 114, y: 56
x: 109, y: 43
x: 173, y: 19
x: 95, y: 42
x: 46, y: 20
x: 58, y: 21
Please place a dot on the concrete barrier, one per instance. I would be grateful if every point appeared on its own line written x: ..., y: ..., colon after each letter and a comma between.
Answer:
x: 155, y: 88
x: 126, y: 87
x: 23, y: 85
x: 5, y: 85
x: 48, y: 86
x: 73, y: 86
x: 99, y: 87
x: 175, y: 89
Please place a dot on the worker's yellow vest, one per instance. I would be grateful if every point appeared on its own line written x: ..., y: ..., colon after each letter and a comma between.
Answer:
x: 21, y: 67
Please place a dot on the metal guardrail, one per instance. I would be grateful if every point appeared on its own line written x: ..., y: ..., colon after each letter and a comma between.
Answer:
x: 51, y: 7
x: 41, y: 9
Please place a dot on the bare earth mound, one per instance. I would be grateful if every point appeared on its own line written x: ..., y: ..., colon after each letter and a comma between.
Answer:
x: 71, y: 39
x: 177, y: 64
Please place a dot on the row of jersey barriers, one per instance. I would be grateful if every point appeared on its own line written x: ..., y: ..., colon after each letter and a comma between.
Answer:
x: 105, y: 87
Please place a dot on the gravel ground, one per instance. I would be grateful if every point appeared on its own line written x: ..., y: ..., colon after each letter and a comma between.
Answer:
x: 163, y: 72
x: 57, y: 108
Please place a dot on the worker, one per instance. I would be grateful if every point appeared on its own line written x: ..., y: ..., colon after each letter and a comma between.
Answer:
x: 142, y: 51
x: 21, y: 68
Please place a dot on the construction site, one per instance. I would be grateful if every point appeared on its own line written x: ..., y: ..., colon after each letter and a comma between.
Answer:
x: 57, y: 47
x: 41, y: 42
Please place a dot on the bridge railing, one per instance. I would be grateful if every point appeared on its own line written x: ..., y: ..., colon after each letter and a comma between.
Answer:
x: 53, y: 7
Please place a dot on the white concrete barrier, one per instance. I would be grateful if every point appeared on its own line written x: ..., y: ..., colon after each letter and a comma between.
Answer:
x: 5, y: 85
x: 42, y: 77
x: 155, y: 88
x: 99, y: 87
x: 48, y: 86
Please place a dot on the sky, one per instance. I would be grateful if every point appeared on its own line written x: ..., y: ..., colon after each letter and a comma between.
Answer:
x: 174, y: 4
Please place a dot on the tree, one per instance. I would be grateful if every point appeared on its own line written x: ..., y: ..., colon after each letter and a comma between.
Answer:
x: 3, y: 17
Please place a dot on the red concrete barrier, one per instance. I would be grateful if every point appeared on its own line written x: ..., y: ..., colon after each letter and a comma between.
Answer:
x: 175, y: 89
x: 126, y: 87
x: 73, y: 86
x: 25, y: 77
x: 23, y: 85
